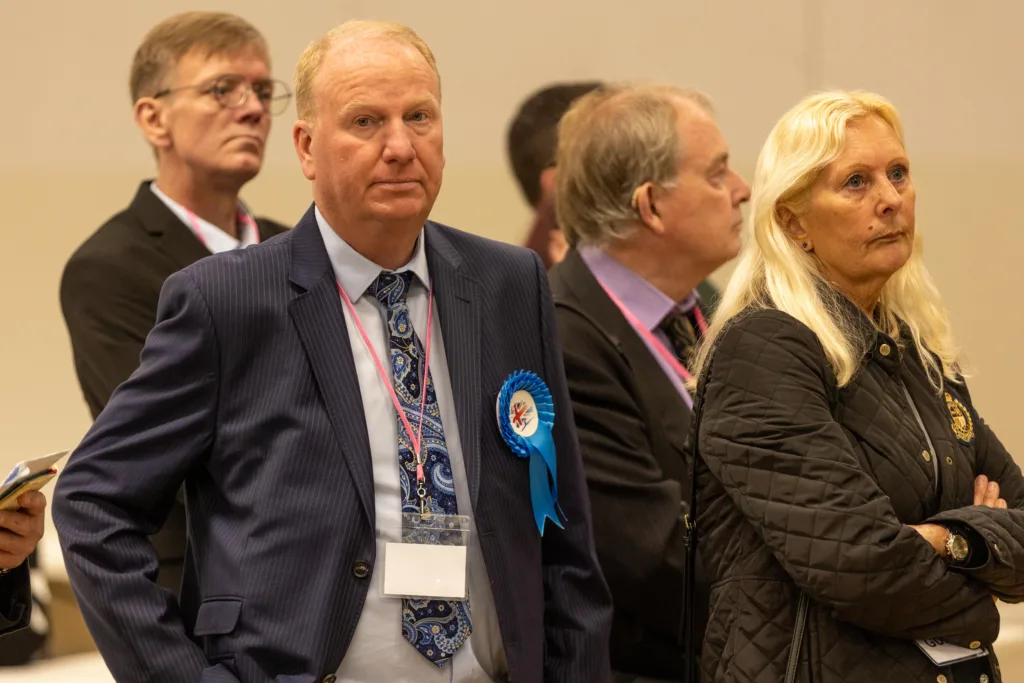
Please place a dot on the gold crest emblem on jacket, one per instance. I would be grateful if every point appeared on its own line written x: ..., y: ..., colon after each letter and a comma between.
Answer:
x: 963, y: 425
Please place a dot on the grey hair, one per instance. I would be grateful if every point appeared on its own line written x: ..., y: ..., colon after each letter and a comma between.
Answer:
x: 610, y: 143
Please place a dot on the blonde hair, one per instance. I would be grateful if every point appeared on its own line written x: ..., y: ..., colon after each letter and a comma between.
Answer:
x: 610, y: 142
x: 312, y: 57
x: 210, y: 33
x: 774, y: 272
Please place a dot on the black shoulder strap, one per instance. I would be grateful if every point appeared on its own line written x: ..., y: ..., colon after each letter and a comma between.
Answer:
x: 691, y: 672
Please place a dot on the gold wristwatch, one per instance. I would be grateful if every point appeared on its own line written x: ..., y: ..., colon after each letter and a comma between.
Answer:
x: 957, y: 548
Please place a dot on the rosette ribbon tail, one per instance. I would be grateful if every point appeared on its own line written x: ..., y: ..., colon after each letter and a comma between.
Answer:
x: 544, y: 491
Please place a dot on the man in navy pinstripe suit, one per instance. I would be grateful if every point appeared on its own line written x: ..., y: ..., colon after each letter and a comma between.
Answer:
x: 260, y: 389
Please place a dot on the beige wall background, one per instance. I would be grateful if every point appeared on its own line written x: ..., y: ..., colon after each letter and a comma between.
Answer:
x: 71, y: 155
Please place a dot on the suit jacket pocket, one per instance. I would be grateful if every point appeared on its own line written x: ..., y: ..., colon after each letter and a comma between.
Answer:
x: 218, y: 673
x: 216, y: 620
x: 217, y: 616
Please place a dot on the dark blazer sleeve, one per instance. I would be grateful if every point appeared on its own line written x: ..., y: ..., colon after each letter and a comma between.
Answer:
x: 15, y: 599
x: 638, y: 511
x: 108, y: 313
x: 269, y: 228
x: 120, y: 483
x: 1001, y: 530
x: 578, y: 606
x: 768, y: 435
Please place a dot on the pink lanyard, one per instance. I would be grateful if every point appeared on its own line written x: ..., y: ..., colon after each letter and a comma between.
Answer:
x: 245, y: 219
x: 653, y: 341
x: 414, y: 438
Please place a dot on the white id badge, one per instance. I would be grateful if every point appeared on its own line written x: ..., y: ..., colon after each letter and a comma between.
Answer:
x: 429, y: 559
x: 944, y: 654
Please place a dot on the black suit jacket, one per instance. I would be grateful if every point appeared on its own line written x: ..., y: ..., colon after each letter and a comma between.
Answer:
x: 111, y: 284
x: 109, y: 293
x: 248, y: 394
x: 633, y: 427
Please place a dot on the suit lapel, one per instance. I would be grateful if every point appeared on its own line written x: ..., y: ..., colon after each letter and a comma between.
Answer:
x: 458, y: 308
x: 174, y: 238
x: 320, y: 323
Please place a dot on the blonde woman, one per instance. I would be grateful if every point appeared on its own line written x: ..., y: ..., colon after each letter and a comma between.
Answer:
x: 851, y: 501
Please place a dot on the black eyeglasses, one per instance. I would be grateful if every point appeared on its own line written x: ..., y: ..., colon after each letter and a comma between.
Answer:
x: 232, y: 91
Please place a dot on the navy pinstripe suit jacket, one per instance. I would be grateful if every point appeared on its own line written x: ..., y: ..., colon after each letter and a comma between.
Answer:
x: 247, y: 393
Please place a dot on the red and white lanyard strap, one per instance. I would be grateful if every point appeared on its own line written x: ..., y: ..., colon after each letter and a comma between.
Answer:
x: 415, y: 438
x: 244, y: 219
x: 653, y: 341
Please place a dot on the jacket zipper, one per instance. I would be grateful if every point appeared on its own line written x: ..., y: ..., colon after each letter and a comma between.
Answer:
x: 798, y: 637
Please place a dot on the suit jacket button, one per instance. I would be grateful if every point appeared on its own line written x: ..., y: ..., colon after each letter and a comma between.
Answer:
x: 360, y: 570
x: 330, y: 678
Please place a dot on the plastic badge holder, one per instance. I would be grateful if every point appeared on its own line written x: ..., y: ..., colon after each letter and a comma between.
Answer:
x: 946, y: 654
x: 427, y: 558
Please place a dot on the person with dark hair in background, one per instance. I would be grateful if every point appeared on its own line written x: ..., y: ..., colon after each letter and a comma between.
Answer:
x: 203, y: 99
x: 531, y: 144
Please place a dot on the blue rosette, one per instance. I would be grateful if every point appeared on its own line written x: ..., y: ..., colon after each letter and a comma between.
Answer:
x: 526, y: 414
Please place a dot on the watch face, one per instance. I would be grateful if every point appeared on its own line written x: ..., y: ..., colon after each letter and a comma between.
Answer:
x: 958, y: 547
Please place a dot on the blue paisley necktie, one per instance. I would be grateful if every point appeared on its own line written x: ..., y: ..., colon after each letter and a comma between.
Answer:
x: 436, y: 628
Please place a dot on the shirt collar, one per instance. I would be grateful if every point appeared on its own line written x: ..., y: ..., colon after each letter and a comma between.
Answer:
x: 354, y: 272
x: 645, y: 301
x: 215, y: 239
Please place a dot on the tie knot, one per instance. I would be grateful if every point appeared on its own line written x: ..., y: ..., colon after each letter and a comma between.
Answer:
x: 391, y: 288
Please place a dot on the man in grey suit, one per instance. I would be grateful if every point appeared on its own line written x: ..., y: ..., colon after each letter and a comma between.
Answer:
x: 262, y: 390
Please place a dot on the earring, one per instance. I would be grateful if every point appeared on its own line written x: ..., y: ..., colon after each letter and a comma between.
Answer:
x: 805, y: 246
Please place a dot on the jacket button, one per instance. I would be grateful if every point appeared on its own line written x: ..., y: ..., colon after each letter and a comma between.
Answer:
x: 360, y: 570
x: 330, y: 678
x: 940, y: 679
x: 927, y: 456
x: 975, y: 644
x: 885, y: 349
x: 949, y: 460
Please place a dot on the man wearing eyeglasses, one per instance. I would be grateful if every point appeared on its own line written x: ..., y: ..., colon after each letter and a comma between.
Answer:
x: 203, y: 99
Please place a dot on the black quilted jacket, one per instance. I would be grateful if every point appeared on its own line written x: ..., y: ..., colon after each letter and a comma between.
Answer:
x: 807, y: 490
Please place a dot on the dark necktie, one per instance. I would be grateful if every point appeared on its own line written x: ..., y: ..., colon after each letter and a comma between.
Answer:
x: 682, y: 334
